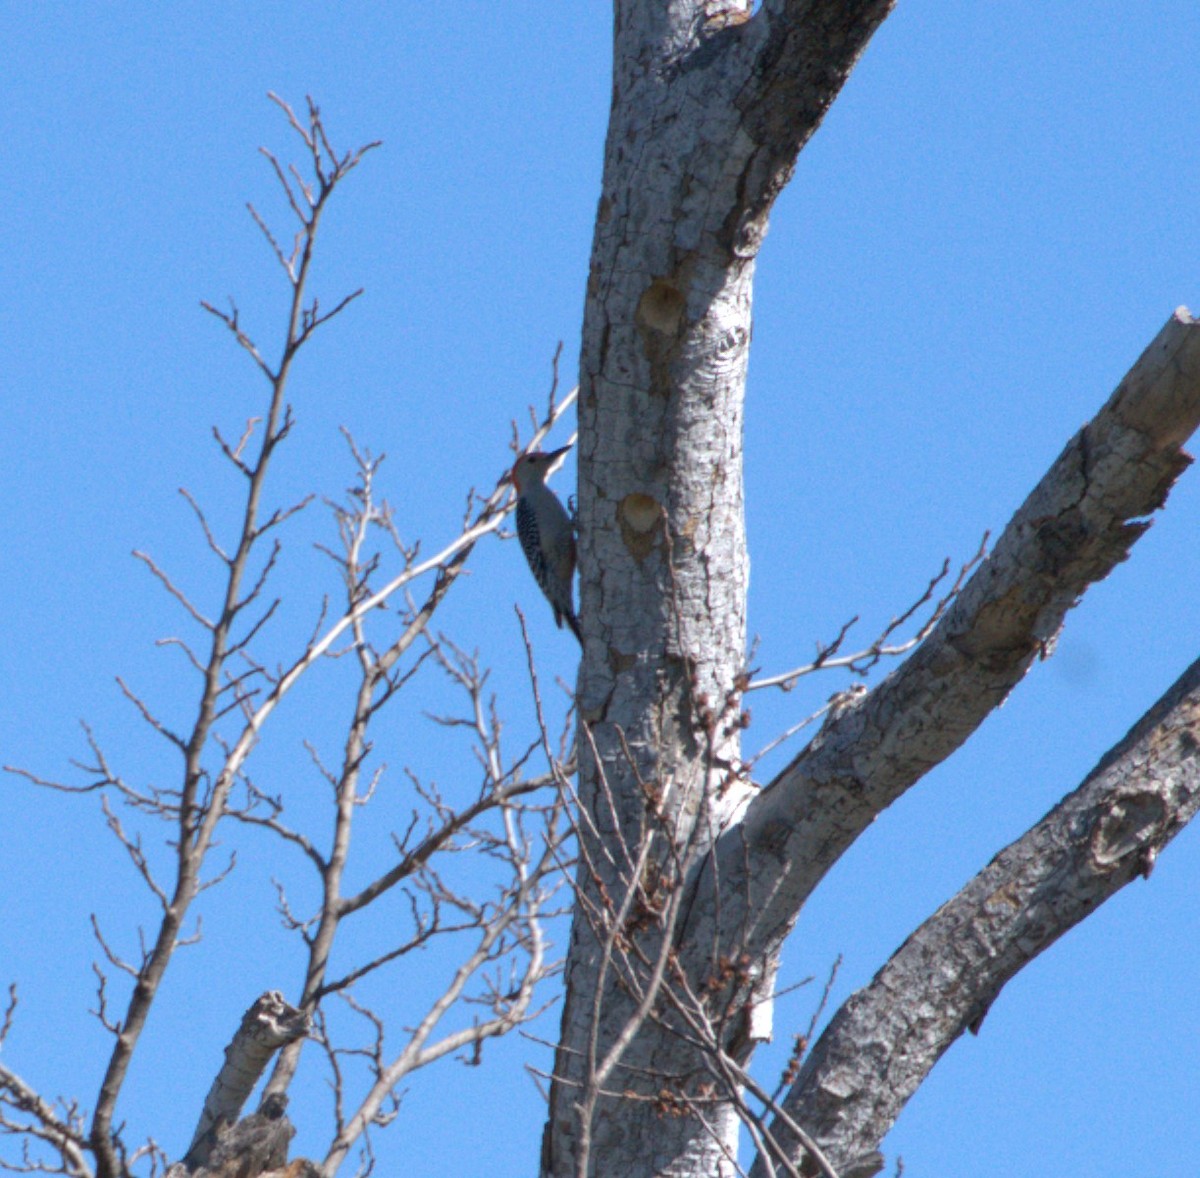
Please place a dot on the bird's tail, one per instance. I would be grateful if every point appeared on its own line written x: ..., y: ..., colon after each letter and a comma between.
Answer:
x: 573, y: 622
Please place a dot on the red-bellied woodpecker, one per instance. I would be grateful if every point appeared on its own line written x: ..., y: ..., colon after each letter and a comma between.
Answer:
x: 547, y: 534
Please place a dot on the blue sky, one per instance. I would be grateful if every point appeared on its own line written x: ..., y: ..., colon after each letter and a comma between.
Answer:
x: 990, y: 226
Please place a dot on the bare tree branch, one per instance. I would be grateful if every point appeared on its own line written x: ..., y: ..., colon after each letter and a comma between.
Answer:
x: 24, y: 1113
x: 829, y: 657
x: 885, y: 1039
x: 1074, y: 528
x: 201, y: 802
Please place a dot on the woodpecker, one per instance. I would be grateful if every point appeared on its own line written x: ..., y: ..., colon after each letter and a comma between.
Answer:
x: 547, y: 534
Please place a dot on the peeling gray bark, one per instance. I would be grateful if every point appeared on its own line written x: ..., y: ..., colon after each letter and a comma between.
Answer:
x: 882, y: 1044
x: 689, y: 880
x: 269, y: 1024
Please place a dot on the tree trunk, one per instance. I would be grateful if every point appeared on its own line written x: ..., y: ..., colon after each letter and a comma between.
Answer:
x: 708, y: 113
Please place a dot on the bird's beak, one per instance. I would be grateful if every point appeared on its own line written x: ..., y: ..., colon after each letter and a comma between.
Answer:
x: 556, y: 457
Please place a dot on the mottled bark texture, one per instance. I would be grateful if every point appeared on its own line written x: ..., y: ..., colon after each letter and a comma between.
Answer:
x: 883, y: 1042
x: 269, y: 1024
x: 255, y: 1147
x: 689, y: 879
x: 709, y: 112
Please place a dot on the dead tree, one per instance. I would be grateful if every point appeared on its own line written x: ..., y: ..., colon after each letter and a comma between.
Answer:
x: 691, y: 874
x: 688, y: 874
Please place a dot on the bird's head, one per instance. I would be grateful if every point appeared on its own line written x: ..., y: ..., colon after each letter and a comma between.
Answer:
x: 536, y: 467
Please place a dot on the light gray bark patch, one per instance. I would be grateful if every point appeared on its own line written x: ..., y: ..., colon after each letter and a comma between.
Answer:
x: 1131, y: 823
x: 761, y: 180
